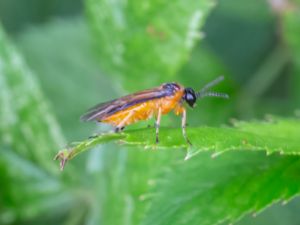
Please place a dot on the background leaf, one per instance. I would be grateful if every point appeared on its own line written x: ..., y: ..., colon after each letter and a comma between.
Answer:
x: 29, y: 135
x: 224, y: 189
x: 19, y: 94
x: 69, y: 75
x: 161, y: 33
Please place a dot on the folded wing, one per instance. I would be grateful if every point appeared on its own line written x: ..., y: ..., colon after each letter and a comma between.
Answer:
x: 106, y: 109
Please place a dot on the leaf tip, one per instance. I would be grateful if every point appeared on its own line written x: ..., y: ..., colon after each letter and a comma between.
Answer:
x: 63, y: 157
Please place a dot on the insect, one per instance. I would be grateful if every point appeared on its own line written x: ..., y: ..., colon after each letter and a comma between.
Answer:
x: 146, y: 104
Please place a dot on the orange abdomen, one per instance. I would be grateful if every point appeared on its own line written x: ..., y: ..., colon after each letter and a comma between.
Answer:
x: 146, y: 110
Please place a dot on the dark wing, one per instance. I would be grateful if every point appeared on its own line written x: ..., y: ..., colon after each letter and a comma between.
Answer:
x: 105, y: 109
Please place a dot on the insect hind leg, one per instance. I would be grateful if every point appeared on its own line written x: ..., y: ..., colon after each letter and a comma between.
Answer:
x: 157, y: 125
x: 183, y: 125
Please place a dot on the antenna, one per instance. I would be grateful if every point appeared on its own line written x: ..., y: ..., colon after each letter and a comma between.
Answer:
x: 205, y: 93
x: 212, y: 94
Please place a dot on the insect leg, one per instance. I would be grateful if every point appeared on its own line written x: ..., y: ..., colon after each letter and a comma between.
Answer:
x: 121, y: 126
x: 118, y: 129
x: 183, y: 125
x: 157, y: 124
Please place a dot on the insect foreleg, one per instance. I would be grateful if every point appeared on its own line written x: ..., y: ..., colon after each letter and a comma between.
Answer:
x: 157, y: 124
x: 183, y: 125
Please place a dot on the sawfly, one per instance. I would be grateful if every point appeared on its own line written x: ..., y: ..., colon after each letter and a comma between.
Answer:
x: 149, y: 103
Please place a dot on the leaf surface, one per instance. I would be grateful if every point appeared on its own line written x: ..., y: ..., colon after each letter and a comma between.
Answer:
x: 265, y: 135
x: 209, y: 191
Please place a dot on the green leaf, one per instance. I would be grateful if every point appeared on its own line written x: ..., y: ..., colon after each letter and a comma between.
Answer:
x: 275, y: 135
x: 218, y: 189
x: 71, y: 79
x: 29, y: 135
x: 149, y: 39
x: 224, y: 189
x: 29, y: 191
x: 27, y: 124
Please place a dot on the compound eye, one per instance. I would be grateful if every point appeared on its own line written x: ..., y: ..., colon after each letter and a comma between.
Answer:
x: 189, y: 97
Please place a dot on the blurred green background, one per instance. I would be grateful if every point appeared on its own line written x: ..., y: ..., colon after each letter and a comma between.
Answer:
x: 74, y: 56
